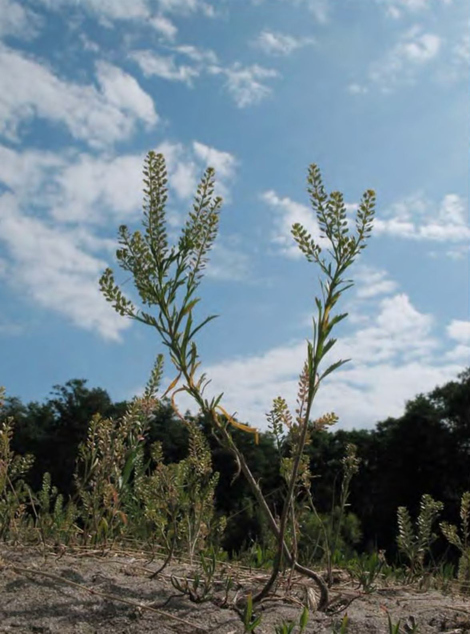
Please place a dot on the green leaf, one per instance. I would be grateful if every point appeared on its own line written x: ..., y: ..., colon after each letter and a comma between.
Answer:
x: 303, y: 619
x: 202, y: 324
x: 333, y: 367
x: 328, y: 345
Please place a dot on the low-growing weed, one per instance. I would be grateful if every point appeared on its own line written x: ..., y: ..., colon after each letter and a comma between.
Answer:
x: 178, y: 498
x: 415, y: 543
x: 410, y: 626
x: 368, y: 570
x: 54, y: 518
x: 200, y: 588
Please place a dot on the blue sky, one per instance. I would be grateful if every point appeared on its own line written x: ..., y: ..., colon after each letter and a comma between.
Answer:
x: 373, y: 91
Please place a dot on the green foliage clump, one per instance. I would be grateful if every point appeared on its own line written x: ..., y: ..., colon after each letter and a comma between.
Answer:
x: 54, y: 517
x: 13, y: 468
x: 462, y: 541
x: 415, y: 543
x: 105, y: 464
x: 178, y: 498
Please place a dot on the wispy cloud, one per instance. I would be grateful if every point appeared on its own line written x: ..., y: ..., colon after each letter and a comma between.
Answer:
x: 456, y: 62
x: 245, y: 84
x: 401, y: 65
x: 144, y: 10
x: 416, y: 218
x: 167, y: 67
x: 372, y: 282
x: 319, y: 8
x: 224, y: 164
x: 275, y: 43
x: 153, y: 64
x: 186, y: 7
x: 202, y: 56
x: 288, y: 212
x: 58, y: 206
x: 18, y: 20
x: 414, y: 51
x: 394, y: 357
x: 164, y: 26
x: 77, y: 188
x: 398, y: 8
x: 98, y: 116
x: 459, y: 330
x: 52, y: 269
x: 227, y: 263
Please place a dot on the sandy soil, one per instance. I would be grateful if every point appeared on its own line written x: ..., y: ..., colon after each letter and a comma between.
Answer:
x: 48, y: 594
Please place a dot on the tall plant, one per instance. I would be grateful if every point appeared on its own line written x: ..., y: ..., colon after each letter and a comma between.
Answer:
x: 13, y: 491
x: 107, y: 461
x: 462, y: 541
x: 168, y: 276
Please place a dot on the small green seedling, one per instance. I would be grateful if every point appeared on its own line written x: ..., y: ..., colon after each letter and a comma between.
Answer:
x: 289, y: 627
x: 341, y: 628
x: 250, y: 620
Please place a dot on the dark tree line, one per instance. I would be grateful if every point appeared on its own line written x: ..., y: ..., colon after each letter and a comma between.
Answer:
x: 426, y: 450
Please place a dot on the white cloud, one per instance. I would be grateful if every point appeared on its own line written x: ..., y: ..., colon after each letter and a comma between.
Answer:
x: 186, y: 165
x: 289, y: 212
x: 55, y: 263
x: 459, y: 354
x: 394, y: 357
x: 164, y: 26
x: 143, y: 10
x: 228, y: 263
x: 110, y: 9
x: 275, y: 43
x: 397, y: 8
x: 357, y: 89
x: 224, y: 164
x: 245, y: 83
x: 52, y: 269
x: 74, y: 187
x: 77, y: 188
x: 457, y: 62
x: 27, y: 173
x: 17, y: 20
x: 372, y: 282
x: 319, y: 8
x: 414, y: 50
x: 10, y: 329
x: 165, y: 67
x: 184, y: 178
x: 461, y: 50
x: 90, y: 189
x: 186, y: 7
x: 3, y: 268
x: 415, y: 218
x: 459, y: 330
x: 98, y: 116
x: 199, y: 55
x: 122, y: 91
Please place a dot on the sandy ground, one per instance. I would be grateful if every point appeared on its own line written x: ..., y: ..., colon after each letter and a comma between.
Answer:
x: 48, y: 594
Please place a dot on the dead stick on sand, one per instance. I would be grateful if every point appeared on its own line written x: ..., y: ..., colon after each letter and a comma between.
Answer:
x: 111, y: 597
